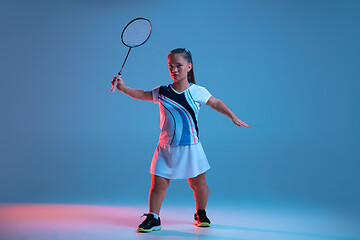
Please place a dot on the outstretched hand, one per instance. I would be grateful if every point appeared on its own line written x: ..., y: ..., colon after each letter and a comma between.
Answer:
x: 239, y: 123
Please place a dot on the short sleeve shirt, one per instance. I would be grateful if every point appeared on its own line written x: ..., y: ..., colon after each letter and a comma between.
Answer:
x: 179, y: 113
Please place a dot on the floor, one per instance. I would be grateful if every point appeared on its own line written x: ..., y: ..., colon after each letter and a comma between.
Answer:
x: 88, y: 222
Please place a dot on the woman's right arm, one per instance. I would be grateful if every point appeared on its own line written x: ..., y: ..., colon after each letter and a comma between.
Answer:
x: 134, y: 93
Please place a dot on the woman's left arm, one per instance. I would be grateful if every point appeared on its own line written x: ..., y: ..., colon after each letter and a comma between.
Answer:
x: 219, y: 106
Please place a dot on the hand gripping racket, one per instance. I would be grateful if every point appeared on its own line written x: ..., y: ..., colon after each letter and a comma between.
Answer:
x: 135, y: 34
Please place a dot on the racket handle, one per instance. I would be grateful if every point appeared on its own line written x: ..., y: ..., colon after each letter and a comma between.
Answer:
x: 113, y: 88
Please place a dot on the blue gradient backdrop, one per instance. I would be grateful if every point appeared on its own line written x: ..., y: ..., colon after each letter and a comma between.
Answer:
x: 290, y: 69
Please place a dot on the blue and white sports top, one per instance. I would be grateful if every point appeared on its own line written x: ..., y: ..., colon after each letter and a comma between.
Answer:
x: 179, y: 113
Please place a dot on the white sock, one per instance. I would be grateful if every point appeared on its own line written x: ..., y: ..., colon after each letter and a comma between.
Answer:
x: 155, y: 215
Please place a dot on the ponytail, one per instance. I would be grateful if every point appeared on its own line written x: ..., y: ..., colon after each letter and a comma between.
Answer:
x: 191, y: 77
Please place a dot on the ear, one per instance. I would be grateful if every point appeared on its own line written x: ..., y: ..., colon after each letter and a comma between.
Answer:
x: 189, y: 67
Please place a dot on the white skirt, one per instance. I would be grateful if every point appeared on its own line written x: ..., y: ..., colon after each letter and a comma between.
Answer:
x: 179, y: 161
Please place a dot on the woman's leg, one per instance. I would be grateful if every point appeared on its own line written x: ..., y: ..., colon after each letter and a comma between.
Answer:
x: 157, y: 193
x: 201, y: 190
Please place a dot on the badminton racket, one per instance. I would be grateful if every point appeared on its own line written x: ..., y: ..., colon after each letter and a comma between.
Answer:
x: 134, y: 34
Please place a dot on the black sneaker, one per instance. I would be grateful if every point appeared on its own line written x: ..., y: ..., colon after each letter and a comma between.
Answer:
x: 149, y: 224
x: 201, y: 219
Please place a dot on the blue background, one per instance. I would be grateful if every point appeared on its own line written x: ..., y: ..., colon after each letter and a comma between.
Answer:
x: 290, y: 69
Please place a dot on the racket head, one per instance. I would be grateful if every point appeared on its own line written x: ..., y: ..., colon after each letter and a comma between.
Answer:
x: 136, y: 32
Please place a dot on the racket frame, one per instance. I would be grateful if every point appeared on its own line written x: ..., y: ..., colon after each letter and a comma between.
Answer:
x: 130, y: 47
x: 122, y: 33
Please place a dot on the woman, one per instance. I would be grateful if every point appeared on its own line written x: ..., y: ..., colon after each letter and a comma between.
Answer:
x: 179, y: 153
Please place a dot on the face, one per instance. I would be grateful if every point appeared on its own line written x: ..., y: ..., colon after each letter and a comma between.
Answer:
x: 178, y: 67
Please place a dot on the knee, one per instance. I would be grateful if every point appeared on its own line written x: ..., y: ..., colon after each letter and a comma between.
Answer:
x: 157, y: 186
x: 196, y: 186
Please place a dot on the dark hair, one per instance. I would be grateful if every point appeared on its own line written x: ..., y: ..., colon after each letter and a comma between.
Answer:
x: 187, y: 55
